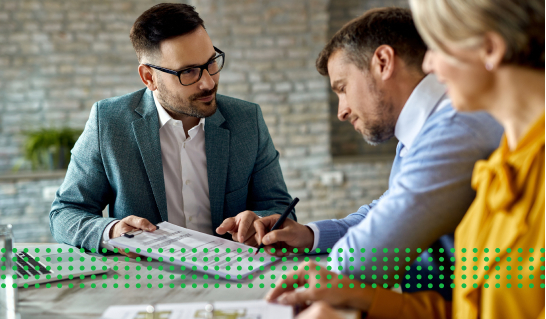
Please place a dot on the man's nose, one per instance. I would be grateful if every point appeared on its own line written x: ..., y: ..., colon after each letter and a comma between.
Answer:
x: 206, y: 82
x: 343, y: 111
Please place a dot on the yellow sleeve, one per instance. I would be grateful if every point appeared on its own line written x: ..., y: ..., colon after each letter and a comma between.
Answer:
x: 541, y: 316
x: 426, y: 304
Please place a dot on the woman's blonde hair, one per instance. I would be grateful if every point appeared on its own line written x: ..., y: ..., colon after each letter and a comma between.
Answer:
x: 464, y: 22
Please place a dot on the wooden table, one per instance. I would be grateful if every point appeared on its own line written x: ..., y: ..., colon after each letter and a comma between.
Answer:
x: 89, y: 302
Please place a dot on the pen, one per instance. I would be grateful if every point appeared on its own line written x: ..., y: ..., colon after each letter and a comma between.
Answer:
x: 281, y: 220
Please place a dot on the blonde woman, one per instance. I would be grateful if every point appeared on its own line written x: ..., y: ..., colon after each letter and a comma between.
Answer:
x: 490, y: 55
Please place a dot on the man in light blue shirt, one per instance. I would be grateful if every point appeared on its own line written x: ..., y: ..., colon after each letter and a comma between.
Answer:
x: 374, y: 65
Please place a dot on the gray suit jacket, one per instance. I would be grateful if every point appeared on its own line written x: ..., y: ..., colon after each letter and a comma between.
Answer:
x: 117, y: 162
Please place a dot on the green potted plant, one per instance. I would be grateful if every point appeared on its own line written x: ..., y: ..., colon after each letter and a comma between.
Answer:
x: 49, y: 148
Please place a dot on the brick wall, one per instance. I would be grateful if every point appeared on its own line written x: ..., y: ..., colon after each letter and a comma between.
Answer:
x: 25, y: 202
x: 58, y: 57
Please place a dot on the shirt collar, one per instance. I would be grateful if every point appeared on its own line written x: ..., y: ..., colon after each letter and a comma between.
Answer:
x: 164, y: 117
x: 424, y: 99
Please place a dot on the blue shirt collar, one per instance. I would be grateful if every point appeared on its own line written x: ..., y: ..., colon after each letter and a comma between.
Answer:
x: 424, y: 99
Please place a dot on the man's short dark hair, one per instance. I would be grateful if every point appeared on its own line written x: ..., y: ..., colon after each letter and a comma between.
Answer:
x: 161, y: 22
x: 360, y: 37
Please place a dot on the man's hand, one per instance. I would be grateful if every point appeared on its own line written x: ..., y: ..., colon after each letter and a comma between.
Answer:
x: 241, y: 228
x: 341, y: 293
x: 289, y: 235
x: 128, y: 224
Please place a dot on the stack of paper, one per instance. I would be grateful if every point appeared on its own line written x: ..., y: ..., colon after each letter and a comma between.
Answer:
x: 186, y: 247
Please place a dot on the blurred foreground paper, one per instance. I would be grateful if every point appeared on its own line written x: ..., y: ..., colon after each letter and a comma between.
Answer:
x: 252, y: 309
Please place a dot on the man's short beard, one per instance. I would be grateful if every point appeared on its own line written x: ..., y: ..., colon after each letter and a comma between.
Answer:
x: 189, y: 106
x: 379, y: 133
x: 383, y: 129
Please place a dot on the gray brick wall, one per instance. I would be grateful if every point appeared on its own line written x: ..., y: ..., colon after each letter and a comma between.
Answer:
x: 25, y: 204
x: 58, y: 57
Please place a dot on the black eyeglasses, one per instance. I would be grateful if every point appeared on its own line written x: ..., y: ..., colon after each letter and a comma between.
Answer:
x: 192, y: 75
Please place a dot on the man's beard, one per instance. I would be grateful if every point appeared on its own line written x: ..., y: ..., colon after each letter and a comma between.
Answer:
x: 379, y: 132
x: 382, y: 129
x: 190, y: 106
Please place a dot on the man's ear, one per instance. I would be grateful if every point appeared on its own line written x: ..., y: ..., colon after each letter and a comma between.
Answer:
x: 493, y: 50
x: 382, y: 64
x: 147, y: 76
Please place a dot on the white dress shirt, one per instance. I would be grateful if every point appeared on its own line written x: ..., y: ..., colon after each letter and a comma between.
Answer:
x: 428, y: 97
x: 185, y: 173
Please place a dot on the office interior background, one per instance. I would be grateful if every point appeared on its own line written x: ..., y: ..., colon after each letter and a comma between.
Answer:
x: 58, y: 57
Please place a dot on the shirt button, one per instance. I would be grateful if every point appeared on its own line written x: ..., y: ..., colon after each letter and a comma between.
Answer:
x: 188, y: 182
x: 184, y: 145
x: 190, y: 218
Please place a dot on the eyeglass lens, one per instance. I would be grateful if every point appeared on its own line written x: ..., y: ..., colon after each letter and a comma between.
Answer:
x: 192, y: 75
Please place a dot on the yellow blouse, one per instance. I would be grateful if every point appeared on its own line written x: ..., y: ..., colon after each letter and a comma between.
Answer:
x: 499, y: 269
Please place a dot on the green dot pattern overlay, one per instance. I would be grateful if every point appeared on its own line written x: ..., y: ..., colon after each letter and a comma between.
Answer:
x: 474, y: 268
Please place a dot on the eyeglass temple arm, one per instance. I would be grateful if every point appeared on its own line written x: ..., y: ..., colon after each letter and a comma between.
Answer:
x: 162, y: 69
x: 218, y: 50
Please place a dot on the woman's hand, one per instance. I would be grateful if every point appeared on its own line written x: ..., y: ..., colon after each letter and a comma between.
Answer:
x: 322, y: 285
x: 319, y: 310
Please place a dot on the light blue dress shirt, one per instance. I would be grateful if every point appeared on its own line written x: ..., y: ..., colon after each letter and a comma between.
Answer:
x: 429, y: 192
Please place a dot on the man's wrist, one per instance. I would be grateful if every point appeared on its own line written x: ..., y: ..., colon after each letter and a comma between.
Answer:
x: 106, y: 235
x: 111, y: 232
x: 315, y: 239
x: 310, y: 239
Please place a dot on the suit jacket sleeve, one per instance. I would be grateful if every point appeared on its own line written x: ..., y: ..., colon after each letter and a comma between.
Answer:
x: 267, y: 191
x: 76, y: 213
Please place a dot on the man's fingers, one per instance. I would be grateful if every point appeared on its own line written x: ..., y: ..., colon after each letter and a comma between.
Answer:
x: 259, y: 227
x: 129, y: 254
x: 278, y: 250
x: 245, y: 225
x: 140, y: 223
x: 279, y: 235
x: 251, y: 242
x: 124, y: 228
x: 269, y: 221
x: 120, y: 228
x: 132, y: 255
x: 228, y: 225
x: 267, y: 250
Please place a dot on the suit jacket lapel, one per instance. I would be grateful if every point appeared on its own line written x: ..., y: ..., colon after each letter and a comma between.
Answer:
x: 146, y: 130
x: 217, y: 151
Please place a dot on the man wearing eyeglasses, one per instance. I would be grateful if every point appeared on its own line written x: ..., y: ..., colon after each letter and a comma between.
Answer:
x: 174, y: 151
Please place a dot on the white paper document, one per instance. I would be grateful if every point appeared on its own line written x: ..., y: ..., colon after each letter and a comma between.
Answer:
x: 252, y: 309
x: 186, y: 247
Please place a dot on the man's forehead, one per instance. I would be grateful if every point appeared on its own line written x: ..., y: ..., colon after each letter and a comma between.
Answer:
x: 337, y: 76
x: 337, y: 65
x: 194, y: 48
